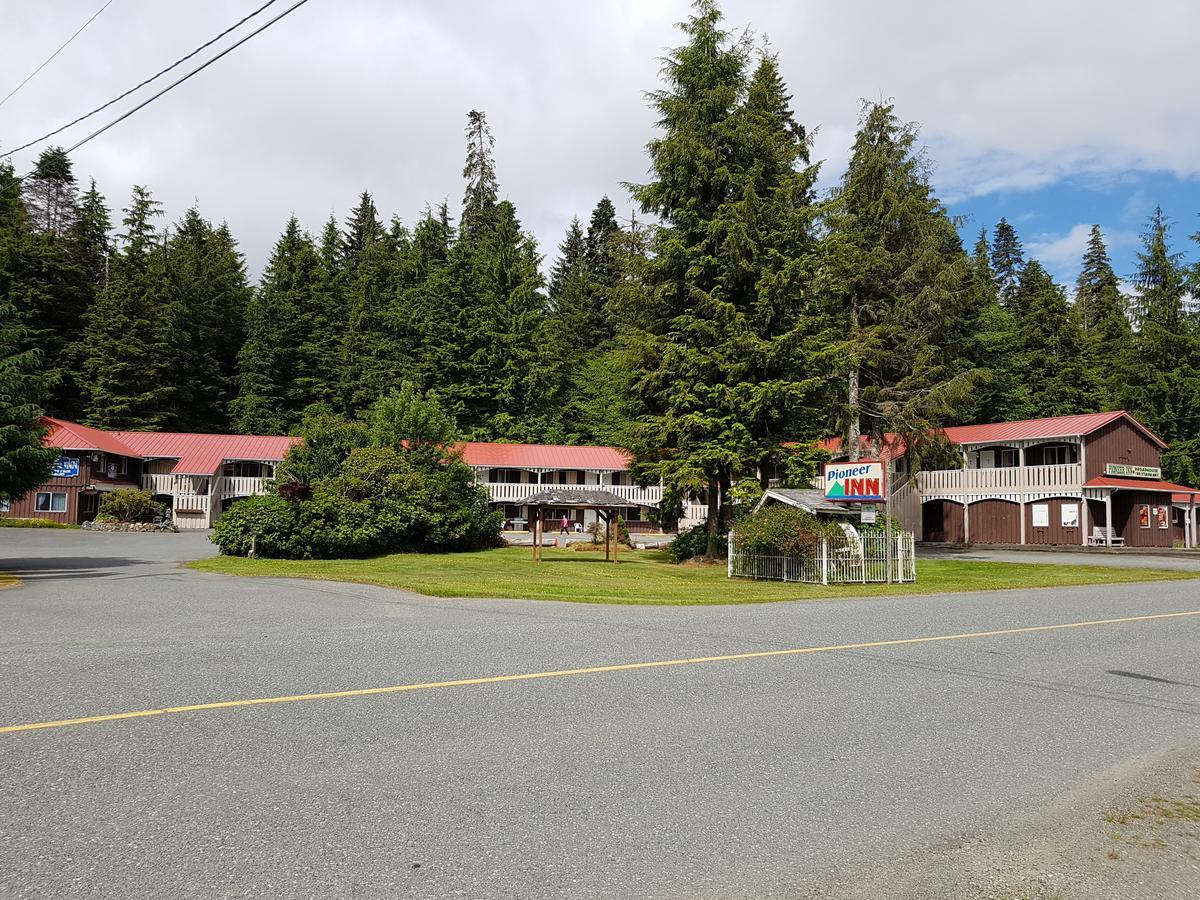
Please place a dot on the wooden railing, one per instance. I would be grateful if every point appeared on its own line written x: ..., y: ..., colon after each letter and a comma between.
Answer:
x: 503, y: 492
x: 242, y: 487
x: 1015, y: 479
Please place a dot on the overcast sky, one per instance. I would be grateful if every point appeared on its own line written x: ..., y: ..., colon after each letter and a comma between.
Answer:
x: 1056, y: 114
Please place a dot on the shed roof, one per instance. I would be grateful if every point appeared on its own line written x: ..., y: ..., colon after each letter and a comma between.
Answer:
x: 73, y: 436
x: 203, y: 454
x: 1043, y: 429
x: 1141, y: 484
x: 811, y: 500
x: 544, y: 456
x: 575, y: 497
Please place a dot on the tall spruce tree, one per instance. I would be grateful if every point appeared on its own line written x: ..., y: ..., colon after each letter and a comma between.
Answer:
x: 1162, y: 370
x: 272, y: 393
x: 479, y: 201
x: 993, y: 343
x: 24, y: 462
x: 718, y: 372
x: 1104, y: 319
x: 125, y: 365
x: 1052, y: 349
x: 1008, y: 260
x: 898, y: 268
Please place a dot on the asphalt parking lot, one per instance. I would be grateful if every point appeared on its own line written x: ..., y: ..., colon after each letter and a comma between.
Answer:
x: 890, y: 769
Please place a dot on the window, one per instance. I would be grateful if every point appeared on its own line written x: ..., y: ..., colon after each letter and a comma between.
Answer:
x: 49, y: 502
x: 1008, y: 458
x: 5, y: 506
x: 619, y: 478
x: 1059, y: 454
x: 89, y: 503
x: 1070, y: 515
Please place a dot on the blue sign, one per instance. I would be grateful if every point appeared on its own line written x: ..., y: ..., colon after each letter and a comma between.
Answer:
x: 65, y: 467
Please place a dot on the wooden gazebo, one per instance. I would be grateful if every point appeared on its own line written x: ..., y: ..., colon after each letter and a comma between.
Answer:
x: 606, y: 504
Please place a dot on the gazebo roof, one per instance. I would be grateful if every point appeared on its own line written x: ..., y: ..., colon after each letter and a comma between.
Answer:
x: 575, y: 497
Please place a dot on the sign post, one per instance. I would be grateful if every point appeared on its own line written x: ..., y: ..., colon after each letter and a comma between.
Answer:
x: 887, y: 519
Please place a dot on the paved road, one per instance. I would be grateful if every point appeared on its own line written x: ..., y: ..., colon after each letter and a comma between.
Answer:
x: 881, y: 771
x: 1125, y: 559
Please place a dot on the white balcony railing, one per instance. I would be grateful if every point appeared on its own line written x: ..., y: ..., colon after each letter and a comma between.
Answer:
x: 502, y: 492
x: 242, y: 487
x: 1014, y: 479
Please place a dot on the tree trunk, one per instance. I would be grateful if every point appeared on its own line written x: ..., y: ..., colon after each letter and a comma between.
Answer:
x: 854, y: 430
x: 714, y: 510
x: 724, y: 482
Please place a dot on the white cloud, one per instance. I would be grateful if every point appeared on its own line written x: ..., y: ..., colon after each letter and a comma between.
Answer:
x: 343, y: 96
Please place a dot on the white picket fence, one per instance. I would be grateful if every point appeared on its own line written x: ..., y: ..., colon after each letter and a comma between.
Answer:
x: 839, y: 559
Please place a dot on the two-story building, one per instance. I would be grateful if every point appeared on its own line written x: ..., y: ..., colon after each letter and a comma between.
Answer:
x: 1083, y: 480
x: 196, y: 475
x: 513, y: 472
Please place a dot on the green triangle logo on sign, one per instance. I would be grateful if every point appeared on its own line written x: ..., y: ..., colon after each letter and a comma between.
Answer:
x: 837, y: 489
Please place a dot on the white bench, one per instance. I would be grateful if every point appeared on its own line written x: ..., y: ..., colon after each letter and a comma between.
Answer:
x: 1100, y: 535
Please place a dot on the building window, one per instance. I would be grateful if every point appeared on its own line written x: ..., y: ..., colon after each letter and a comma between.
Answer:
x: 1008, y: 458
x: 5, y: 506
x: 50, y: 502
x: 619, y: 478
x: 1059, y: 454
x: 504, y: 476
x: 89, y: 503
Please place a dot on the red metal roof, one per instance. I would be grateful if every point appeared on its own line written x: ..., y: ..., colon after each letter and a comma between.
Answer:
x: 203, y: 454
x: 892, y: 448
x: 73, y: 436
x: 1042, y: 429
x: 543, y: 456
x: 1141, y: 484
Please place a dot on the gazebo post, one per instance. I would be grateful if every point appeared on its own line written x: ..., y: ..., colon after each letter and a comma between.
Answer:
x: 536, y: 519
x: 616, y: 535
x: 607, y: 532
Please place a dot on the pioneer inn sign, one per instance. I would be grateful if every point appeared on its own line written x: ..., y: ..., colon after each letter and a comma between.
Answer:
x: 858, y: 481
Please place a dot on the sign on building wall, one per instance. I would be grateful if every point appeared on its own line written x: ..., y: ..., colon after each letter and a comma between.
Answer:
x: 1040, y: 515
x: 862, y: 481
x: 1128, y: 471
x: 65, y: 467
x: 867, y: 513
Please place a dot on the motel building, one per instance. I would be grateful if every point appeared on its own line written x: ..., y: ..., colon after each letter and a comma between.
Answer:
x: 1085, y: 480
x: 197, y: 476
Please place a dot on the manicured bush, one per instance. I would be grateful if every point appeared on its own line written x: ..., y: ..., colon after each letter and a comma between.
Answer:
x: 383, y: 500
x: 780, y: 531
x: 129, y: 505
x: 694, y: 542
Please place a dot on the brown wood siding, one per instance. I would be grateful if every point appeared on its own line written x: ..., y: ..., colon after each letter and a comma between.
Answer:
x: 1118, y: 442
x: 951, y: 531
x: 89, y: 473
x: 995, y: 522
x: 1125, y: 515
x: 1054, y: 533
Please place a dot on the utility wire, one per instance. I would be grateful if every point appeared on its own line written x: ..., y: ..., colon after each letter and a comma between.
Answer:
x: 182, y: 79
x: 137, y: 87
x: 29, y: 77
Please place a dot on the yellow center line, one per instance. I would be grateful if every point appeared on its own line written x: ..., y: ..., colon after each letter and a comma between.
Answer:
x: 589, y: 670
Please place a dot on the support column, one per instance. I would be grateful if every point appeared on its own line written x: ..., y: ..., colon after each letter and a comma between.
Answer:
x: 1108, y: 519
x: 966, y: 520
x: 1023, y: 482
x: 1190, y: 530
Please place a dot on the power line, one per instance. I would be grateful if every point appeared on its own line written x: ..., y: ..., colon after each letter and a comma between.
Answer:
x: 141, y: 85
x: 29, y: 77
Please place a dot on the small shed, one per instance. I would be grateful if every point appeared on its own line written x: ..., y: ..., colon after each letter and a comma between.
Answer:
x: 606, y: 504
x: 808, y: 499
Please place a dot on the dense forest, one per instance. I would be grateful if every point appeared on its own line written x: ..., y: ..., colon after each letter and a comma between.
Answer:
x: 743, y: 312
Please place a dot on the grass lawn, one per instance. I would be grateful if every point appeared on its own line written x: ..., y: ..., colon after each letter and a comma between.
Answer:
x: 646, y: 577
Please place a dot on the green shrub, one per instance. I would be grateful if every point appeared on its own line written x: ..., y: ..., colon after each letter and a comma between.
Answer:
x: 383, y: 500
x: 694, y: 542
x: 780, y: 531
x: 129, y: 505
x: 34, y: 523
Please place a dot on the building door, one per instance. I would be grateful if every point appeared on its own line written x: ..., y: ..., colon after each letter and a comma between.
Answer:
x: 933, y: 521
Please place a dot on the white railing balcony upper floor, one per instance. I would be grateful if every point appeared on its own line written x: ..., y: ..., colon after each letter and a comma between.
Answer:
x: 1006, y: 480
x: 504, y: 492
x: 233, y: 486
x: 199, y: 485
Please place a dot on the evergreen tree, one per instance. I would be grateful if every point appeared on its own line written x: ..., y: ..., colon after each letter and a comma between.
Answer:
x: 716, y: 358
x: 599, y: 248
x: 124, y: 366
x: 993, y: 343
x: 1104, y: 320
x: 1008, y: 260
x: 898, y: 266
x: 272, y: 392
x: 51, y: 193
x: 1162, y: 371
x: 24, y: 462
x: 479, y: 201
x: 1052, y: 354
